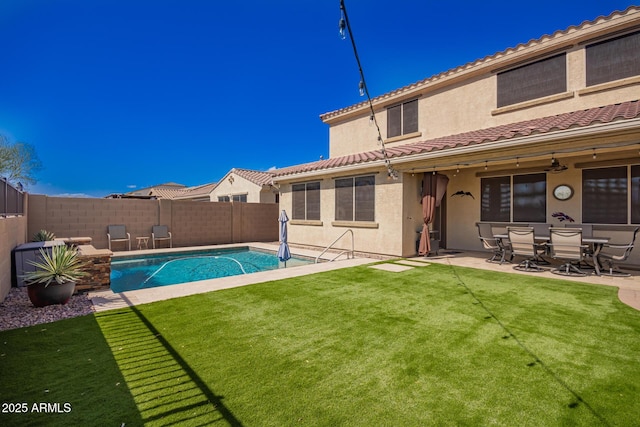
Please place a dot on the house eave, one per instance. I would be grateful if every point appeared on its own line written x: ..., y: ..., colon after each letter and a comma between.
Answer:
x: 628, y: 131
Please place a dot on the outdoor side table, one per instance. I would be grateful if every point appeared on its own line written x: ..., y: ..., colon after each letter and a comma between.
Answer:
x: 143, y: 241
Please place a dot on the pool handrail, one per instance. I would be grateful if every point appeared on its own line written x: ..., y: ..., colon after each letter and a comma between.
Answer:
x: 343, y: 252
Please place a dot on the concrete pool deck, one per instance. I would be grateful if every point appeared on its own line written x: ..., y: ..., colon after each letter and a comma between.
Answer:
x: 108, y: 300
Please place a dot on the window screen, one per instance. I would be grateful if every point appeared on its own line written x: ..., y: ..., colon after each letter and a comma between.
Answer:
x: 306, y: 201
x: 613, y: 59
x: 355, y: 199
x: 402, y: 119
x: 635, y: 194
x: 604, y: 195
x: 532, y: 81
x: 496, y: 199
x: 530, y: 198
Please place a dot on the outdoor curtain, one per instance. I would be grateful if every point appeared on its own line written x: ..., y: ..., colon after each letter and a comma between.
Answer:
x: 433, y: 188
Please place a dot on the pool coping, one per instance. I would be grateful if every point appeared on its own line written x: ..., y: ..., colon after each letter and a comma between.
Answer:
x: 108, y: 300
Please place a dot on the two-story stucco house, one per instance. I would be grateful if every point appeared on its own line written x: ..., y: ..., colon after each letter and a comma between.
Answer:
x: 493, y: 127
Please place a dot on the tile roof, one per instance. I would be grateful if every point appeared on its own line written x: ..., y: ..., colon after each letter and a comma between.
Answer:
x: 488, y: 59
x: 257, y: 177
x: 576, y: 119
x: 166, y: 192
x: 200, y: 190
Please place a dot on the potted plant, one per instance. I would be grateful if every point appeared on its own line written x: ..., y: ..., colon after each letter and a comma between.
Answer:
x: 54, y: 280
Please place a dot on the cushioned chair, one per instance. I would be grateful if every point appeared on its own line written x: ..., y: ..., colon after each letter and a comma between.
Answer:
x: 160, y: 232
x: 614, y: 253
x: 566, y: 245
x: 523, y: 244
x: 118, y: 233
x: 490, y: 243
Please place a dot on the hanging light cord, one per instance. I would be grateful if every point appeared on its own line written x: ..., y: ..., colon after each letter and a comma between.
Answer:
x: 344, y: 22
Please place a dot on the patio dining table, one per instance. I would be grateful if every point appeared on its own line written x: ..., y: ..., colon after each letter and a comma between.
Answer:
x: 596, y: 244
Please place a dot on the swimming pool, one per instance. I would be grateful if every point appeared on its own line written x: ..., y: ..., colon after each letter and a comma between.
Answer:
x: 149, y: 271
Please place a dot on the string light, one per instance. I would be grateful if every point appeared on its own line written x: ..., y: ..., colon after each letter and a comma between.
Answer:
x: 486, y: 165
x: 594, y: 154
x: 517, y: 162
x: 344, y: 27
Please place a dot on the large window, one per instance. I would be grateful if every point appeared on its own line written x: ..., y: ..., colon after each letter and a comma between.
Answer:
x: 604, y: 195
x: 529, y: 198
x: 355, y: 198
x: 495, y: 202
x: 613, y: 59
x: 402, y: 119
x: 536, y: 80
x: 635, y: 194
x: 306, y: 201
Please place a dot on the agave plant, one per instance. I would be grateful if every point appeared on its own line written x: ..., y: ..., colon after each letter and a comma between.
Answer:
x: 61, y: 266
x: 43, y: 236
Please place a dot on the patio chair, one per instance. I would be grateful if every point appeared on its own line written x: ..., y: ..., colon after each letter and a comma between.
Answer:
x: 160, y: 232
x: 613, y: 253
x: 118, y: 233
x: 541, y: 230
x: 523, y: 244
x: 491, y: 243
x: 566, y: 245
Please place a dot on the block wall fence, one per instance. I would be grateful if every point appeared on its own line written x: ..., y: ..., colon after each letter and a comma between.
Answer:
x: 13, y: 232
x: 191, y: 223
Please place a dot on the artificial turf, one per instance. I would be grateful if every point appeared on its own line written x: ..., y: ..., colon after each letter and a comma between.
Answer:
x: 435, y: 345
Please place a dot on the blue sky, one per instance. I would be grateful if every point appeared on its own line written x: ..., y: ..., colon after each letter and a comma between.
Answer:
x: 122, y: 94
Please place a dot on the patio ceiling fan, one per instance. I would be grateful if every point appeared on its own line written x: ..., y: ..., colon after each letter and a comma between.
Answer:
x: 555, y: 167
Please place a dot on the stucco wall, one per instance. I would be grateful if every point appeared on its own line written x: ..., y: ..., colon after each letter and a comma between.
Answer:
x: 382, y: 237
x: 191, y: 223
x: 12, y: 233
x: 235, y: 184
x: 467, y: 100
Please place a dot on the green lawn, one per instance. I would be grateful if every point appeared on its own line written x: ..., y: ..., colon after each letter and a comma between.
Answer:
x: 436, y: 345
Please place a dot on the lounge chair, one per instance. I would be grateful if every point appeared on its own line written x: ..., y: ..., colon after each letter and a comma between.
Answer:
x: 161, y: 232
x: 566, y: 245
x: 118, y: 233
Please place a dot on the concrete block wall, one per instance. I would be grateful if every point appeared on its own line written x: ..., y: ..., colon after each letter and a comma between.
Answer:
x: 191, y: 223
x: 257, y: 221
x: 201, y: 223
x: 13, y: 232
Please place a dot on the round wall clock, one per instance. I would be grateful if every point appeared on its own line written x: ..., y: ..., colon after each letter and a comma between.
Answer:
x: 563, y: 192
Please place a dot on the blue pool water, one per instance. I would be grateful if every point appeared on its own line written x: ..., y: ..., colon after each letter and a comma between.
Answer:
x: 140, y: 272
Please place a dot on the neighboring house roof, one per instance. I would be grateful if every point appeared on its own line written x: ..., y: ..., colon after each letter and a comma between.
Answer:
x: 257, y: 177
x: 483, y: 61
x: 577, y: 119
x: 167, y: 192
x: 194, y: 192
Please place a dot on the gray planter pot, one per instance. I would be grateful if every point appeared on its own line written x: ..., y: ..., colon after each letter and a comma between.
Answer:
x: 42, y: 296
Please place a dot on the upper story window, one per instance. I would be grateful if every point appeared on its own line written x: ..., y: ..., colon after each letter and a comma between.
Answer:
x: 531, y: 81
x: 306, y: 201
x: 355, y: 198
x: 613, y: 59
x: 402, y: 119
